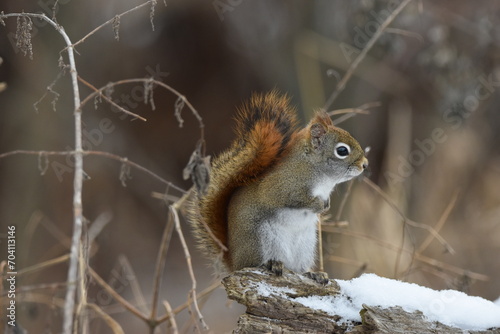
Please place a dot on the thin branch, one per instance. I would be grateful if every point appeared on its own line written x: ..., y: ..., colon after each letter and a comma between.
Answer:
x: 112, y: 323
x: 110, y: 21
x: 43, y: 286
x: 410, y: 222
x: 341, y: 85
x: 78, y: 177
x: 344, y: 200
x: 97, y: 153
x: 101, y: 95
x: 160, y: 264
x: 351, y: 112
x: 440, y: 223
x: 171, y: 317
x: 427, y: 260
x: 173, y: 211
x: 81, y: 323
x: 43, y: 265
x: 134, y: 283
x: 182, y: 307
x: 116, y: 296
x: 406, y: 33
x: 321, y: 266
x: 400, y: 253
x: 180, y: 97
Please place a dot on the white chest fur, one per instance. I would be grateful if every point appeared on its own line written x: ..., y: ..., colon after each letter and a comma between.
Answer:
x: 290, y: 237
x: 324, y: 188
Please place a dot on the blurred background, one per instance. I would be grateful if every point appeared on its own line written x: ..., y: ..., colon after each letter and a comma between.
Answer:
x: 434, y: 138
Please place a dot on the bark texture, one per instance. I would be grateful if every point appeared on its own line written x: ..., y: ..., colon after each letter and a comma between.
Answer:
x: 275, y: 305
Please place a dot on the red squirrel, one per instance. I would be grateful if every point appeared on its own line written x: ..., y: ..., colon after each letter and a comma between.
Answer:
x: 266, y: 191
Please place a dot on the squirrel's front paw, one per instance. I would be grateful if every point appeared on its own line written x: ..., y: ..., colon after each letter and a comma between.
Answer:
x: 326, y: 204
x: 275, y: 266
x: 319, y: 205
x: 318, y: 276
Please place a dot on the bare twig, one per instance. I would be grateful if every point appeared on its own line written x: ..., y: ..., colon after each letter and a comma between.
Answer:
x: 419, y: 257
x: 341, y: 85
x: 117, y: 329
x: 171, y: 317
x: 81, y: 323
x: 50, y: 89
x: 117, y: 297
x: 440, y: 222
x: 160, y: 264
x: 351, y: 112
x: 134, y: 284
x: 43, y: 265
x: 97, y: 153
x: 362, y: 109
x: 43, y: 286
x: 101, y: 95
x: 173, y: 211
x: 111, y: 21
x: 321, y: 266
x: 181, y: 99
x: 182, y: 307
x: 78, y: 176
x: 430, y: 229
x: 400, y: 253
x: 407, y: 33
x: 344, y: 201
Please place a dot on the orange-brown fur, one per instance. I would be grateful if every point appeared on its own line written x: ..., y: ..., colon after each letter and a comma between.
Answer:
x: 265, y: 129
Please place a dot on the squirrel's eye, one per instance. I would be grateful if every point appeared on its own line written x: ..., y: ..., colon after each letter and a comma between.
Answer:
x: 342, y: 150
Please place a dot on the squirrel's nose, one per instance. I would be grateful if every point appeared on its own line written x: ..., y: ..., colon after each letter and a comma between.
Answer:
x: 365, y: 163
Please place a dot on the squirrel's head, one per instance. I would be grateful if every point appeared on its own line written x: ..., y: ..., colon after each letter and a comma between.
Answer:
x: 336, y: 151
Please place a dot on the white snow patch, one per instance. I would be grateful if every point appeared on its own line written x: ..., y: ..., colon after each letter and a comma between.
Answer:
x: 450, y: 307
x: 497, y: 301
x: 266, y: 290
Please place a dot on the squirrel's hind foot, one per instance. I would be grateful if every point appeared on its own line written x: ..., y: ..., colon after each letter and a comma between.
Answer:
x: 275, y: 266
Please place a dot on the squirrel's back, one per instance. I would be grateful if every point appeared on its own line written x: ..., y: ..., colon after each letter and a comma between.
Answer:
x: 265, y: 129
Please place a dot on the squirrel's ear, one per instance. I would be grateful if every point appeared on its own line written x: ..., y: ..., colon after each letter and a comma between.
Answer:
x: 322, y: 118
x: 317, y: 131
x: 318, y: 128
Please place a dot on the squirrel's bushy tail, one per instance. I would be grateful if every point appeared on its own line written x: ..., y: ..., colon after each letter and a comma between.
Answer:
x: 264, y: 129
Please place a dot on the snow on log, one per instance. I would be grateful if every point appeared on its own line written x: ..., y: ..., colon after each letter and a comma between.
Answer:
x: 294, y: 303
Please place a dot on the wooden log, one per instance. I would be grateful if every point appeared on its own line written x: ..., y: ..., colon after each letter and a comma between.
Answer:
x: 277, y: 304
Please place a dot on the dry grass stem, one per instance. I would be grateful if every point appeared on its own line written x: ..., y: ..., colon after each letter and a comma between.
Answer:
x: 43, y: 265
x: 134, y: 283
x: 185, y: 305
x: 351, y: 112
x: 171, y: 318
x: 344, y: 200
x: 391, y: 203
x: 81, y: 323
x: 115, y: 326
x: 117, y: 297
x: 160, y: 265
x: 440, y: 223
x: 406, y: 33
x: 424, y: 259
x: 321, y: 266
x: 173, y: 210
x: 97, y: 153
